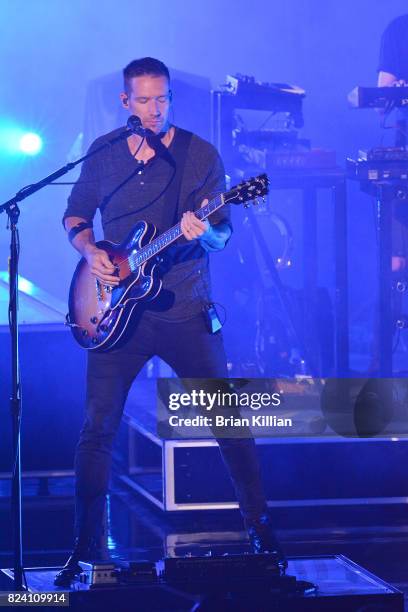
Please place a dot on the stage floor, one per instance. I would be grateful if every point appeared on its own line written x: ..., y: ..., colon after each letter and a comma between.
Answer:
x: 341, y: 584
x: 374, y: 537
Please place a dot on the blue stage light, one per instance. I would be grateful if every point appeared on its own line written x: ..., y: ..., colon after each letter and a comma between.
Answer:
x: 15, y: 141
x: 30, y: 143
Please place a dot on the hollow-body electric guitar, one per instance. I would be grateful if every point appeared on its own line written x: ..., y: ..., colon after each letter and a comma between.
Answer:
x: 99, y: 314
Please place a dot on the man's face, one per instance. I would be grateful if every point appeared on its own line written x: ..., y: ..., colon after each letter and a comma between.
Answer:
x: 149, y: 99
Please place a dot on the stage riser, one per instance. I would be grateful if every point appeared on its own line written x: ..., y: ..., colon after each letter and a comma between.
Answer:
x: 306, y: 471
x: 53, y: 384
x: 342, y: 586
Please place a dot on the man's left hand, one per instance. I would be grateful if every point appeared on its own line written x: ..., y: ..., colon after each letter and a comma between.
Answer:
x: 192, y: 227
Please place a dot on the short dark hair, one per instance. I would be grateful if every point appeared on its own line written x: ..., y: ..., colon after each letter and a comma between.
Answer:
x: 144, y: 65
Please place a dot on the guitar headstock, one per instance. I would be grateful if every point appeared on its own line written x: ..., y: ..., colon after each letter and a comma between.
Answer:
x: 246, y: 191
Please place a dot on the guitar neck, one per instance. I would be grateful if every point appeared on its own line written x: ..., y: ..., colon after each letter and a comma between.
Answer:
x: 172, y: 234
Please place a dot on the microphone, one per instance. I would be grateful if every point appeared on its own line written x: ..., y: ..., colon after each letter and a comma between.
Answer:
x: 134, y: 124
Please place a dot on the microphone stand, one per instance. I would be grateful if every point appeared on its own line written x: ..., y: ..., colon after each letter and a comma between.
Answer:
x: 12, y: 210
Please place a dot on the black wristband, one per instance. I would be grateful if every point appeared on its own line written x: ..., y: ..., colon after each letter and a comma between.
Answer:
x: 78, y: 228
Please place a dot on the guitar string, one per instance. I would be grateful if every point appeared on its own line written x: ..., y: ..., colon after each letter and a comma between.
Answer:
x: 176, y: 228
x: 213, y: 205
x: 174, y: 232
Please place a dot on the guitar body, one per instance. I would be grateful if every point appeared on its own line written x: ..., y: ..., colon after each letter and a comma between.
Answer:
x: 99, y: 314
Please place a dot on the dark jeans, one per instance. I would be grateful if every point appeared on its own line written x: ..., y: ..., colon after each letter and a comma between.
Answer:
x: 192, y: 353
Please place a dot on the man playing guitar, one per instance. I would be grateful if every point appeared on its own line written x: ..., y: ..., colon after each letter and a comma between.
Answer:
x: 160, y: 179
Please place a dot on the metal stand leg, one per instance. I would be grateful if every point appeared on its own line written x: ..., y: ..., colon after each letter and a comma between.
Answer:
x: 341, y: 272
x: 310, y: 273
x: 385, y: 194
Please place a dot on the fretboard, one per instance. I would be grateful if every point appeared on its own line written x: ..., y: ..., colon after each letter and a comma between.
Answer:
x: 168, y: 237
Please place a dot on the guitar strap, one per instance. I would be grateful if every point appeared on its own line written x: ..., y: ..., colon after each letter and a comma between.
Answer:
x: 179, y: 152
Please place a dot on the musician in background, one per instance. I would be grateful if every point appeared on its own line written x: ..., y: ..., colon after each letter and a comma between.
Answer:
x: 393, y: 71
x: 393, y: 63
x: 158, y: 179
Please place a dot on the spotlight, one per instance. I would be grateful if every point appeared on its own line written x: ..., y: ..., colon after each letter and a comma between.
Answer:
x: 30, y: 143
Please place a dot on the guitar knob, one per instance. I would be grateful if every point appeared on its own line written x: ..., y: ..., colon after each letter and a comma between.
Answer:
x: 94, y: 320
x: 84, y: 332
x: 103, y: 328
x: 95, y: 340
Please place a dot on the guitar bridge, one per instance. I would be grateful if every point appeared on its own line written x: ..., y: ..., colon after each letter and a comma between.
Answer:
x: 98, y: 290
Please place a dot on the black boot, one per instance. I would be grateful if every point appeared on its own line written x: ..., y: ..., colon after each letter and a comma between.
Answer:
x: 262, y: 539
x: 85, y: 549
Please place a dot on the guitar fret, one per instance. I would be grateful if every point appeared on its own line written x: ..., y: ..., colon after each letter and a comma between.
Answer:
x: 170, y: 235
x: 173, y: 233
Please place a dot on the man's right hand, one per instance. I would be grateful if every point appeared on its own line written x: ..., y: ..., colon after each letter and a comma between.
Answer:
x: 101, y: 266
